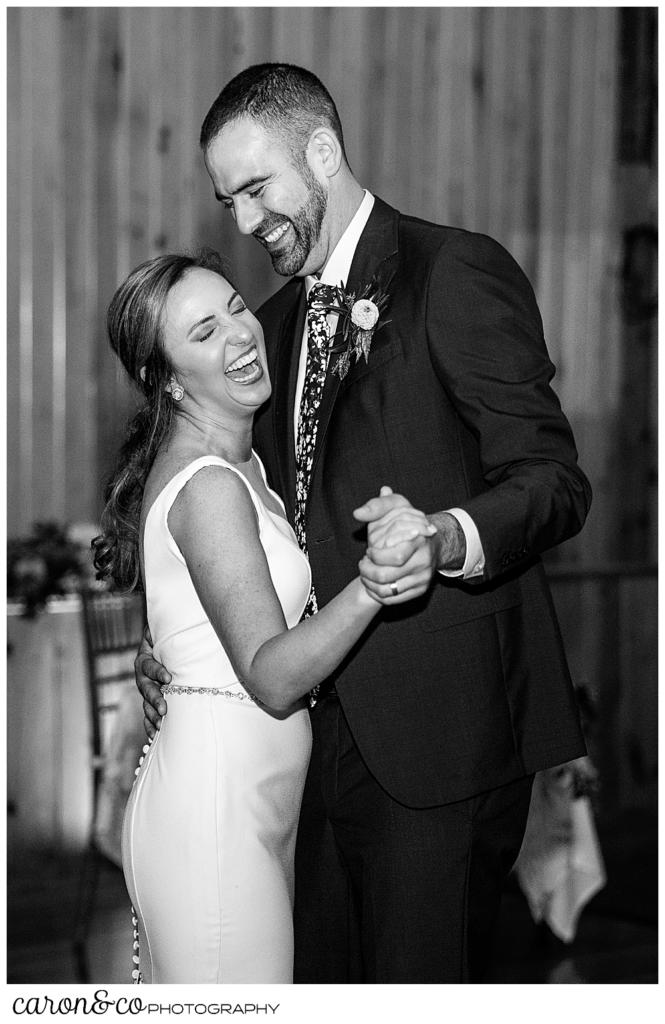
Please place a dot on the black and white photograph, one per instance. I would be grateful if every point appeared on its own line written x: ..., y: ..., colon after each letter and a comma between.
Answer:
x: 331, y: 519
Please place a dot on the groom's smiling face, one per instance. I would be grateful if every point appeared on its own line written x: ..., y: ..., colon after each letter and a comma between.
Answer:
x: 271, y: 194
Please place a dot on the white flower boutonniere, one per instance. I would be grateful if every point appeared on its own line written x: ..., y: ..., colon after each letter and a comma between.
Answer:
x: 365, y: 314
x: 359, y: 316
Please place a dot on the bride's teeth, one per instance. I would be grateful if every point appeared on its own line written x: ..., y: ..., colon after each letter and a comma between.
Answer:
x: 245, y: 360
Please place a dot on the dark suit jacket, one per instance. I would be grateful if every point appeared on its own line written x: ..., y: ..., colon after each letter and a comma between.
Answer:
x: 467, y: 688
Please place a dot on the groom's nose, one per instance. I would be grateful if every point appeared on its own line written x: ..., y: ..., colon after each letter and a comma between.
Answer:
x: 248, y: 214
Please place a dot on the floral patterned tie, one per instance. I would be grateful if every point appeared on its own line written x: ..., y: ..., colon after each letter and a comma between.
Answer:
x: 318, y: 341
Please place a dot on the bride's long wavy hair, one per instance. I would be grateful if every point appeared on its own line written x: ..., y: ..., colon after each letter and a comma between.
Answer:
x: 135, y: 329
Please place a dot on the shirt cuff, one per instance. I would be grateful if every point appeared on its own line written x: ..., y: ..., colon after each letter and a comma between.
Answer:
x: 474, y: 563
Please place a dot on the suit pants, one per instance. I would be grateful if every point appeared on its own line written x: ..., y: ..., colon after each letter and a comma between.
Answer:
x: 392, y: 894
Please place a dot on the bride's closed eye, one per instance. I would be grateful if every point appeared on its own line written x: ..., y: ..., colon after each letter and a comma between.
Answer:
x: 204, y: 337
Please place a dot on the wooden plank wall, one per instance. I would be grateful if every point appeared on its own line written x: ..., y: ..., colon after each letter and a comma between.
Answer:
x: 501, y: 120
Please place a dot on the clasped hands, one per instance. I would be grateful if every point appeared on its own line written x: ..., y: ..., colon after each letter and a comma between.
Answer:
x: 403, y: 549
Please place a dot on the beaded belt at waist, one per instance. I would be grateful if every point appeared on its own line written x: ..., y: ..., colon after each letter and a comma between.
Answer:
x: 211, y: 691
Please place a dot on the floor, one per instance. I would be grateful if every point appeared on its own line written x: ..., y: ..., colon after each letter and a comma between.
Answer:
x: 616, y: 941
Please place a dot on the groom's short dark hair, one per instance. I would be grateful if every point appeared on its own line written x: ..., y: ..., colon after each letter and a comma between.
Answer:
x: 284, y: 99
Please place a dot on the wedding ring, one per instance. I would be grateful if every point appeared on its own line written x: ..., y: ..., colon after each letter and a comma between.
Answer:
x: 394, y: 589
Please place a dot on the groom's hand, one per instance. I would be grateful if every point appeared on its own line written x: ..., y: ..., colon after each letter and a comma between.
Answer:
x: 404, y: 544
x: 398, y: 564
x: 395, y: 520
x: 149, y: 674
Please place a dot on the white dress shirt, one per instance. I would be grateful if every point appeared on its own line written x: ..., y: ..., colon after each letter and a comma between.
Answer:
x: 336, y: 272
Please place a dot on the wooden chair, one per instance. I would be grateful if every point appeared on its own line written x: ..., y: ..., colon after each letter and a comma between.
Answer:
x: 113, y: 626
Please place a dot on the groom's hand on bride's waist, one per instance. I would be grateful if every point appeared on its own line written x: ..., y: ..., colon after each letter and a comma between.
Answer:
x: 150, y: 675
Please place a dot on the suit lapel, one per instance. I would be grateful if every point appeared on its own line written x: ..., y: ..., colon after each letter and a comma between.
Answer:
x: 377, y: 244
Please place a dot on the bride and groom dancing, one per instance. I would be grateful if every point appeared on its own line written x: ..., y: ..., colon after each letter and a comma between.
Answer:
x: 401, y: 795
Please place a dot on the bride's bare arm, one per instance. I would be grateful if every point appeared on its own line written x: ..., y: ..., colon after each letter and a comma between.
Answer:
x: 214, y: 523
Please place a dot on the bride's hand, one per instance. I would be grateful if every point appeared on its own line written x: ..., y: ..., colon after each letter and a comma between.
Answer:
x: 390, y: 584
x: 406, y: 572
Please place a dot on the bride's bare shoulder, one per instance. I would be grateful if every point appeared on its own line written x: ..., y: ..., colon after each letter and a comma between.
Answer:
x: 214, y: 481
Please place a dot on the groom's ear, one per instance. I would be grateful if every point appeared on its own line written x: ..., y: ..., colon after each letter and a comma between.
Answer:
x: 324, y: 151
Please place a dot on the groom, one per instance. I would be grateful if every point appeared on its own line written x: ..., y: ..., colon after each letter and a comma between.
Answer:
x: 427, y: 737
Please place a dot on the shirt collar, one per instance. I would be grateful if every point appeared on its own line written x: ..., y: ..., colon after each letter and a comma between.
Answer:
x: 336, y: 270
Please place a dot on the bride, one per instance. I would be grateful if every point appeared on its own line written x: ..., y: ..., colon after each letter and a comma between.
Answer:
x: 209, y: 829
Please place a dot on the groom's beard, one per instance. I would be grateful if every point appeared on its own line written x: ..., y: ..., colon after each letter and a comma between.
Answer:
x: 306, y: 225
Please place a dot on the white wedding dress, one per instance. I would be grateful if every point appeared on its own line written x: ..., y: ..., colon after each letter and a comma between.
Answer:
x: 210, y: 825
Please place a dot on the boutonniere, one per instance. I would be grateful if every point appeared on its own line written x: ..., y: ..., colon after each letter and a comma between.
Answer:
x: 360, y: 315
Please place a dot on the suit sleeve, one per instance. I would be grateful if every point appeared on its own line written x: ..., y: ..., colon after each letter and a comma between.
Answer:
x: 486, y: 344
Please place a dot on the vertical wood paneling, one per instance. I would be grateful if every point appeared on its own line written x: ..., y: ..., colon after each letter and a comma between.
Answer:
x: 440, y: 195
x: 553, y: 163
x: 140, y: 179
x: 182, y: 141
x: 15, y: 413
x: 43, y: 29
x: 250, y: 270
x: 120, y: 153
x: 464, y: 139
x: 254, y: 26
x: 491, y: 180
x: 210, y: 227
x: 604, y: 259
x: 59, y: 344
x: 395, y: 96
x: 348, y: 67
x: 426, y: 112
x: 520, y: 210
x: 111, y: 182
x: 496, y: 119
x: 369, y: 161
x: 82, y: 320
x: 603, y: 335
x: 177, y: 144
x: 24, y: 199
x: 158, y: 24
x: 590, y: 326
x: 575, y: 255
x: 243, y: 251
x: 294, y: 35
x: 417, y: 139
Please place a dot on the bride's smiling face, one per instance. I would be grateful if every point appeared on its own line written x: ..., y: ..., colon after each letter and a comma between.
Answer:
x: 215, y: 345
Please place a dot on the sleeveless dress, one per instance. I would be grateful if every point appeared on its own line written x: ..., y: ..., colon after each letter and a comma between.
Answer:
x: 210, y: 826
